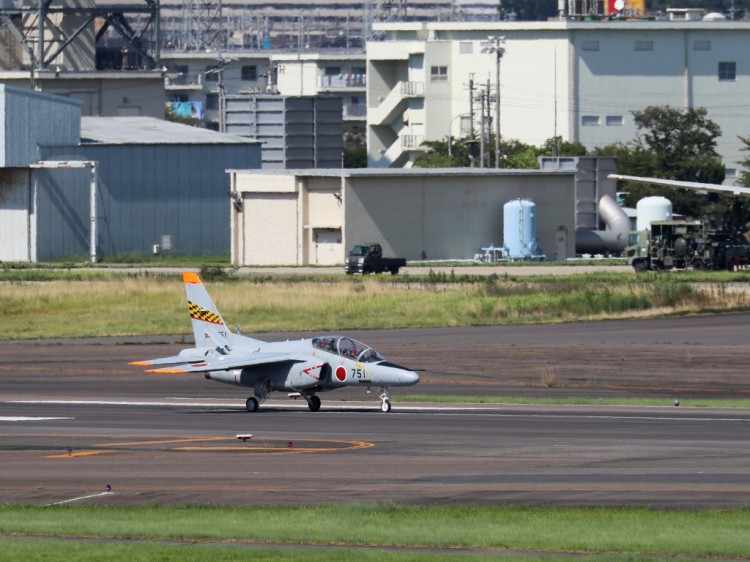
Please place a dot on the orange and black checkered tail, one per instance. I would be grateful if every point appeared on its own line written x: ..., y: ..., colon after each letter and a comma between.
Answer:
x: 209, y: 328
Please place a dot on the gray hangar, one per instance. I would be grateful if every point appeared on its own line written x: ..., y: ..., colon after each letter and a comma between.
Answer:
x: 300, y: 217
x: 158, y: 184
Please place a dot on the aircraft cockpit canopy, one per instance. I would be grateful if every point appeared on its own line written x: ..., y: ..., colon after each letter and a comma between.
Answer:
x: 347, y: 347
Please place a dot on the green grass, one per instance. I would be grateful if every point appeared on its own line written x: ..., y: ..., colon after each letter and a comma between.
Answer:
x: 79, y: 303
x: 629, y: 532
x: 575, y: 401
x: 85, y: 551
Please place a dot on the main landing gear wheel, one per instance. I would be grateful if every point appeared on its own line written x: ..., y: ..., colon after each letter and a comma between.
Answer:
x: 251, y: 405
x: 313, y: 403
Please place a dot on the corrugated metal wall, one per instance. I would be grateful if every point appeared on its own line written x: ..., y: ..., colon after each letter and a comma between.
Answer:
x: 297, y: 132
x: 32, y: 118
x: 145, y: 192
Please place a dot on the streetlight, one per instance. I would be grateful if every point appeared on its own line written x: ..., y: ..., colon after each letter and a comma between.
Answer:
x: 450, y: 137
x: 496, y: 47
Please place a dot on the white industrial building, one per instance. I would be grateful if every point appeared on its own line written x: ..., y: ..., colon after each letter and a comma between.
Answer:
x: 197, y: 78
x: 579, y: 80
x: 301, y: 217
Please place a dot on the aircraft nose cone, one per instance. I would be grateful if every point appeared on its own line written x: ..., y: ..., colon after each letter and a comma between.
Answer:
x: 410, y: 377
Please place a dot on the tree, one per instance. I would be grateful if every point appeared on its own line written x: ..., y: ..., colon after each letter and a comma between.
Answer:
x: 671, y: 144
x: 513, y: 153
x: 437, y: 155
x: 556, y: 146
x: 355, y: 157
x: 683, y: 143
x: 745, y: 163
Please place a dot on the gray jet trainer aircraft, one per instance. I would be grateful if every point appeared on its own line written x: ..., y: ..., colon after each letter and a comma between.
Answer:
x: 303, y: 367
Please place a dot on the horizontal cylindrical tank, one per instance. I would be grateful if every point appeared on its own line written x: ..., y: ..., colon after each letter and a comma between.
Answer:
x: 652, y: 209
x: 519, y: 229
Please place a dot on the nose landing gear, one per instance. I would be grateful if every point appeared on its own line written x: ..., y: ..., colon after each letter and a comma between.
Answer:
x: 385, y: 405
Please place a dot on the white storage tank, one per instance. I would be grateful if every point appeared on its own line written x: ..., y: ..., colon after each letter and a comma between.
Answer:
x: 519, y: 230
x: 650, y: 209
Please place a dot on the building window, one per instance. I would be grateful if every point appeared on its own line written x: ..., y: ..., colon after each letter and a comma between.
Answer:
x: 589, y: 45
x: 730, y: 173
x: 701, y: 45
x: 644, y: 45
x: 727, y: 71
x: 439, y: 73
x: 590, y: 120
x: 212, y: 101
x: 250, y: 73
x: 465, y: 47
x: 332, y: 70
x: 212, y: 73
x: 614, y: 120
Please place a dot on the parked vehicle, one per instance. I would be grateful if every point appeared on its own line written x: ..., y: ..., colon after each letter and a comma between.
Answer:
x: 368, y: 258
x: 686, y: 244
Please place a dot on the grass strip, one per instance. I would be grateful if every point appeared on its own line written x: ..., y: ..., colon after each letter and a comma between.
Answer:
x: 90, y: 303
x: 575, y: 401
x: 131, y: 551
x: 624, y: 531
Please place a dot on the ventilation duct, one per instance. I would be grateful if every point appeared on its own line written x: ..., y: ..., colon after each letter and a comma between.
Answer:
x: 612, y: 240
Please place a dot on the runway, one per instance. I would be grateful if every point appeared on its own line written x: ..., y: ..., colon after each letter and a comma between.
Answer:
x: 75, y: 418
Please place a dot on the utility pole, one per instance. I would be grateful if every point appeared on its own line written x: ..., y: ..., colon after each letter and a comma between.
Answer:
x: 482, y: 124
x: 489, y: 123
x: 471, y: 120
x: 495, y: 47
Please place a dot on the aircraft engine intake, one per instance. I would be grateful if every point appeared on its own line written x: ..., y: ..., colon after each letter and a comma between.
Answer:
x: 307, y: 374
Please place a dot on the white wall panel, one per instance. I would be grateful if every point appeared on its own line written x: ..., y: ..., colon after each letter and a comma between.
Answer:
x: 14, y: 216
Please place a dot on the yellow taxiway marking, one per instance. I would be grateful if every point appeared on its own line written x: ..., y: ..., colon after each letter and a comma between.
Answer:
x: 161, y: 441
x: 270, y: 445
x: 76, y: 455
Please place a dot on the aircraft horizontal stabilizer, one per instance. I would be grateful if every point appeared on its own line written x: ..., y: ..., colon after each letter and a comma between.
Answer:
x: 190, y: 355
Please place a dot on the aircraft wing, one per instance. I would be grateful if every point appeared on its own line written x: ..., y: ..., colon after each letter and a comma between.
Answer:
x: 231, y: 361
x: 714, y: 187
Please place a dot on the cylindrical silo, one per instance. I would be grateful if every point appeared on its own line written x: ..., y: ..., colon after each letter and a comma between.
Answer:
x: 652, y: 209
x: 519, y: 229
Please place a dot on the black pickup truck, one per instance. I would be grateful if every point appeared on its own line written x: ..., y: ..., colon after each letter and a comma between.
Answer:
x: 368, y: 258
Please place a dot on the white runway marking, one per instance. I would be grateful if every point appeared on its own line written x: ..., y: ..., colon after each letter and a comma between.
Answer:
x: 28, y: 418
x: 452, y: 410
x: 82, y: 498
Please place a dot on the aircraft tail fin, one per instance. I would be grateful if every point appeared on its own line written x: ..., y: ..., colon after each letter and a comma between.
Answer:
x: 209, y: 327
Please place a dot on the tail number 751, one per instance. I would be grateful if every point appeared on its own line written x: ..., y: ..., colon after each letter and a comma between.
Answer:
x: 359, y: 373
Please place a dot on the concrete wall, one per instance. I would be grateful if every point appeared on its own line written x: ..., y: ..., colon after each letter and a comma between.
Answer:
x: 265, y: 225
x: 454, y: 216
x: 438, y: 214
